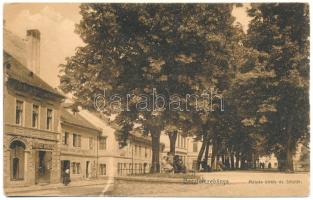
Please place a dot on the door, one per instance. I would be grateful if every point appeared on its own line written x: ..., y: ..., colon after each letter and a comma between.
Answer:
x: 43, y: 166
x: 65, y: 164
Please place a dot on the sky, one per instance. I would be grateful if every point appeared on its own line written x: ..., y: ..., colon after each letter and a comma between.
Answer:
x: 56, y: 22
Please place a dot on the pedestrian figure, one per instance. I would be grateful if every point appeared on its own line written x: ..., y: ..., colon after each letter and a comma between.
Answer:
x: 204, y: 165
x: 262, y: 165
x: 178, y: 165
x: 166, y: 166
x: 66, y: 177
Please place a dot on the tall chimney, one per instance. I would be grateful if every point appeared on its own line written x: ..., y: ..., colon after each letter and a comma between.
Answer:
x: 33, y: 50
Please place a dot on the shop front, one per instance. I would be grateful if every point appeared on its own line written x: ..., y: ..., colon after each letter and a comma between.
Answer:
x: 43, y: 166
x: 29, y: 161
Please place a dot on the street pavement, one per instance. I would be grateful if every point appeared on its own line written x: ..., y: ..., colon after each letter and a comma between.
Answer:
x: 222, y: 184
x: 94, y: 190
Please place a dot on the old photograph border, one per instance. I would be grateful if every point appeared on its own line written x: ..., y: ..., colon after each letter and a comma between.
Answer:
x: 75, y: 114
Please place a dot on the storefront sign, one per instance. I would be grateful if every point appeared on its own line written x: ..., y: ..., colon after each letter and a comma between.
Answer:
x: 37, y: 145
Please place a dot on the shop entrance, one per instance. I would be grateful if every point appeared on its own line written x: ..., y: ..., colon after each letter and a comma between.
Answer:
x: 65, y: 164
x: 43, y: 166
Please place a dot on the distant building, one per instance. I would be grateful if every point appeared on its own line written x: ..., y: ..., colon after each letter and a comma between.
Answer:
x: 134, y: 158
x: 79, y: 146
x: 269, y: 162
x: 301, y: 159
x: 187, y: 148
x: 31, y: 116
x: 193, y: 149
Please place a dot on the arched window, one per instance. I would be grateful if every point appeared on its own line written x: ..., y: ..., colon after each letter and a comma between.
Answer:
x: 17, y: 155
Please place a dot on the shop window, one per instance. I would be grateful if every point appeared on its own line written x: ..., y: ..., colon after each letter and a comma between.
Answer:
x: 17, y: 155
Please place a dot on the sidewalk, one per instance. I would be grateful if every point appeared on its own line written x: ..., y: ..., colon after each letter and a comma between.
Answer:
x: 42, y: 187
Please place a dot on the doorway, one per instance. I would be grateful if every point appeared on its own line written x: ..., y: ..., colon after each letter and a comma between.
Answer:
x: 43, y: 166
x: 65, y: 164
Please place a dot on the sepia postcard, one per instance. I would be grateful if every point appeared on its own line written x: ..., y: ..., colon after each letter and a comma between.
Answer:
x: 156, y: 99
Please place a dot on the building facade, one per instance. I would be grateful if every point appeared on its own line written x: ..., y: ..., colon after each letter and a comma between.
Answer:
x: 193, y: 148
x: 31, y: 117
x: 79, y: 146
x: 42, y: 137
x: 134, y: 158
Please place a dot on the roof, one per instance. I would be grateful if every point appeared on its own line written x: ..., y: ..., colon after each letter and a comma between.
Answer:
x: 109, y: 128
x: 19, y: 72
x: 14, y: 53
x: 106, y: 128
x: 76, y: 119
x: 15, y: 46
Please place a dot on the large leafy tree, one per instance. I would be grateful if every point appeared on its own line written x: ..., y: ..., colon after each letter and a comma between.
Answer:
x: 138, y: 48
x: 234, y: 133
x: 282, y: 31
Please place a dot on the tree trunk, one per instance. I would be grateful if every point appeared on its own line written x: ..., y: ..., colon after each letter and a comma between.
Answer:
x: 200, y: 154
x: 237, y: 160
x: 286, y: 157
x: 207, y: 148
x: 172, y: 136
x: 289, y: 154
x: 155, y: 135
x: 232, y: 161
x: 223, y: 159
x: 213, y: 166
x: 242, y: 163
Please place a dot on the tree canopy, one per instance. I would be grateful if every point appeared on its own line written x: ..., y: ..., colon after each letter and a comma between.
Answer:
x: 171, y: 50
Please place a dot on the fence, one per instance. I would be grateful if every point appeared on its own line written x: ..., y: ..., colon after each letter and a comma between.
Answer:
x: 124, y: 169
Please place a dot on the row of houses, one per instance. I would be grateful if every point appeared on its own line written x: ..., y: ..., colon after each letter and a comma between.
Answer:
x: 44, y: 135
